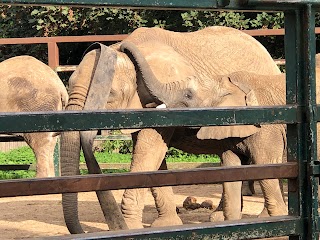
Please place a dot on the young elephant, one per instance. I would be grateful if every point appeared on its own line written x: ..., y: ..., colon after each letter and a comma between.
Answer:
x: 29, y: 85
x: 108, y: 78
x: 263, y: 144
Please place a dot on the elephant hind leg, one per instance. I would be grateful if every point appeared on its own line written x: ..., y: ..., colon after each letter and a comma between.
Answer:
x: 43, y: 144
x: 150, y: 147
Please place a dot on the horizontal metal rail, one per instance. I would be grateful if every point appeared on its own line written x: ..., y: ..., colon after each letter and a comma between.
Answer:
x: 124, y: 119
x: 241, y: 229
x: 12, y: 138
x: 98, y: 182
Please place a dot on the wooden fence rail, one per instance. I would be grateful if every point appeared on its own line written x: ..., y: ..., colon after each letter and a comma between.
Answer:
x: 53, y: 49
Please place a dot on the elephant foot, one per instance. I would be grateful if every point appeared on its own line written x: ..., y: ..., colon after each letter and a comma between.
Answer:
x: 164, y: 221
x: 264, y: 213
x: 133, y: 223
x: 216, y: 216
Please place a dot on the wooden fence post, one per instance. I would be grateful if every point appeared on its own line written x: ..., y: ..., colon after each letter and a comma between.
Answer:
x: 53, y: 55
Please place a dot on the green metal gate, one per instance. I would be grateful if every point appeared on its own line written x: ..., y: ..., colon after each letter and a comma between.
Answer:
x: 300, y: 115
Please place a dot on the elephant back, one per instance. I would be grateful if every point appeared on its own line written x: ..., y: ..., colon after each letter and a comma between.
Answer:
x: 212, y: 51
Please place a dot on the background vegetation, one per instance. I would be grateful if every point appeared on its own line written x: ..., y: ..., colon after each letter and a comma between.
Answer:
x: 116, y: 151
x: 21, y: 21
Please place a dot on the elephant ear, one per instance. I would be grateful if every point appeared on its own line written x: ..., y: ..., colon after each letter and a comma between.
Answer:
x: 234, y: 93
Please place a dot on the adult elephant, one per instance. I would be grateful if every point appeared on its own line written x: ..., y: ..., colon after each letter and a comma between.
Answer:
x: 27, y: 85
x: 171, y: 56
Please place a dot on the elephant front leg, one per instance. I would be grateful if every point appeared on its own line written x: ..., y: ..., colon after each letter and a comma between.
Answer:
x: 231, y: 195
x: 165, y: 204
x: 150, y: 147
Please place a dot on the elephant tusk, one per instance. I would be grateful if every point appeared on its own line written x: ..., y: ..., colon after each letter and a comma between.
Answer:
x: 162, y: 106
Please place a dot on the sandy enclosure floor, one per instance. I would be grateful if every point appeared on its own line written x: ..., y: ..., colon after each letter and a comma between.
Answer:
x: 41, y: 216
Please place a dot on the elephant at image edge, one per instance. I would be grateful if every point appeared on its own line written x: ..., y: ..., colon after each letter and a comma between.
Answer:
x: 197, y: 55
x: 30, y: 85
x: 231, y: 143
x: 265, y: 145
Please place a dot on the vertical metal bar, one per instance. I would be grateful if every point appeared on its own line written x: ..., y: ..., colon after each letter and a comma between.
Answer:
x: 300, y: 61
x: 53, y: 55
x: 292, y: 54
x: 309, y: 46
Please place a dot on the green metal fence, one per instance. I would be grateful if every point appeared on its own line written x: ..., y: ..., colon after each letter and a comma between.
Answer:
x: 300, y: 114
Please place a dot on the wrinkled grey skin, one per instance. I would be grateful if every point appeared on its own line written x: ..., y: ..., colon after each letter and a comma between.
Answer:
x: 172, y: 57
x: 30, y: 85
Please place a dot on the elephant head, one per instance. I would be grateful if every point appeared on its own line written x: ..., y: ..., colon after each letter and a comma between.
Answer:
x: 197, y: 91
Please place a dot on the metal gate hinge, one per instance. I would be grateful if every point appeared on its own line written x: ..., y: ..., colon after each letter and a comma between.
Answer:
x: 315, y: 168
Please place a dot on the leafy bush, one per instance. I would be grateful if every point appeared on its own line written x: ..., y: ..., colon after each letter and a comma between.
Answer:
x: 17, y: 174
x: 23, y: 155
x: 31, y: 21
x: 116, y: 146
x: 105, y: 157
x: 176, y: 155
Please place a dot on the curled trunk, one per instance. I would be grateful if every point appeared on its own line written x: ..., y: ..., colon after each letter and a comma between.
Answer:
x: 163, y: 92
x: 108, y: 204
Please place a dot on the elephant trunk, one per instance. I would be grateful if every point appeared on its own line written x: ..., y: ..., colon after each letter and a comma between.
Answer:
x: 90, y: 88
x: 109, y: 206
x: 70, y: 157
x: 164, y: 92
x: 70, y: 141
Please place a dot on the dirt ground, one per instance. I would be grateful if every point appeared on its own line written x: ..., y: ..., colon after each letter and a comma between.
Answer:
x: 41, y: 216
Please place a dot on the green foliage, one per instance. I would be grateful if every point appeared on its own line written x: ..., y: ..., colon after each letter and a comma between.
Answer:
x: 176, y: 155
x: 31, y: 21
x: 268, y: 20
x: 105, y: 157
x: 195, y: 20
x: 16, y: 22
x: 116, y: 146
x: 105, y: 171
x: 17, y: 174
x: 23, y: 155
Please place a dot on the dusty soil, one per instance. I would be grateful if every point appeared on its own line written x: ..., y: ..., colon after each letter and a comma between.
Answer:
x: 41, y: 216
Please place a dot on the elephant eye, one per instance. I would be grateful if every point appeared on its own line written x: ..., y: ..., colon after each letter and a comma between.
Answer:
x: 188, y: 94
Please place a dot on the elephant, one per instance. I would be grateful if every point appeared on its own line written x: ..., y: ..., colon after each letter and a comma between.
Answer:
x: 171, y: 56
x: 235, y: 145
x: 30, y: 85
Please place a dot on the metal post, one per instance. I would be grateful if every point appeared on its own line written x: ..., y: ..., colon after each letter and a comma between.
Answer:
x: 302, y: 137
